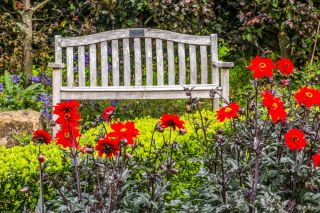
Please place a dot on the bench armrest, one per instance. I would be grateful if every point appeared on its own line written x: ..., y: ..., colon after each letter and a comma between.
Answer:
x: 221, y: 64
x: 56, y: 65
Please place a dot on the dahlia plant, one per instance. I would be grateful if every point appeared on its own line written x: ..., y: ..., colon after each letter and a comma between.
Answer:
x: 267, y: 156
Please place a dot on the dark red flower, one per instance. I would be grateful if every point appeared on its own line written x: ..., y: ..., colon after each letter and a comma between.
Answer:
x: 108, y: 146
x: 67, y: 113
x: 316, y: 160
x: 64, y: 137
x: 171, y: 120
x: 41, y: 136
x: 261, y: 67
x: 124, y: 131
x: 285, y: 66
x: 107, y: 112
x: 274, y: 106
x: 308, y: 96
x: 295, y: 140
x: 230, y: 111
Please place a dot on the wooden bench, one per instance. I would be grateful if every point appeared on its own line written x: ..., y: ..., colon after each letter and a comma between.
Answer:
x: 137, y: 64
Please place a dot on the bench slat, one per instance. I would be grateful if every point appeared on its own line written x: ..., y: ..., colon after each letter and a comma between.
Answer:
x: 125, y: 33
x: 182, y: 63
x: 126, y: 62
x: 104, y: 64
x: 204, y: 64
x: 149, y: 70
x: 159, y: 50
x: 81, y: 66
x: 137, y: 61
x: 171, y: 72
x: 135, y: 92
x: 70, y: 77
x: 93, y: 65
x: 193, y: 64
x: 115, y: 63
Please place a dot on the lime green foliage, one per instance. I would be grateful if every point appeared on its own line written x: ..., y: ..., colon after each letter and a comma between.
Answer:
x: 20, y: 168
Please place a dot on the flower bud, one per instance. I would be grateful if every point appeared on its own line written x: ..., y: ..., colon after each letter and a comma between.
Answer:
x: 88, y: 150
x: 284, y: 82
x: 242, y: 111
x: 163, y: 167
x: 182, y: 131
x: 52, y: 123
x: 25, y: 189
x: 174, y: 171
x: 159, y: 128
x: 188, y: 108
x: 124, y: 141
x: 220, y: 131
x: 41, y: 158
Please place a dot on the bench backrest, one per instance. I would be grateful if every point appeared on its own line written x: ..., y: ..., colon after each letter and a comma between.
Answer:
x: 121, y: 57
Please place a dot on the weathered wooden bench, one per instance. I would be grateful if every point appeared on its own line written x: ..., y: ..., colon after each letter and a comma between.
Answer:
x: 122, y: 65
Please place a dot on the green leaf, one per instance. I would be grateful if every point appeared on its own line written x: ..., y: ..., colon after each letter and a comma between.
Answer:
x: 8, y: 82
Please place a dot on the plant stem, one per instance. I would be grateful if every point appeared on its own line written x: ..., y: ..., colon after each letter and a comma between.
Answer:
x: 41, y: 185
x: 256, y: 145
x: 223, y: 182
x: 75, y: 161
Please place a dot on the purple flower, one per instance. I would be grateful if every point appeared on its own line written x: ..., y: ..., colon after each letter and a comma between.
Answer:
x: 86, y: 58
x: 110, y: 50
x: 35, y: 79
x: 114, y: 102
x: 15, y: 79
x: 46, y: 81
x: 1, y: 87
x: 46, y: 114
x: 109, y: 67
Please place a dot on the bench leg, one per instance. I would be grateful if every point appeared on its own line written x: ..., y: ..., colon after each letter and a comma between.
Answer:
x: 56, y: 84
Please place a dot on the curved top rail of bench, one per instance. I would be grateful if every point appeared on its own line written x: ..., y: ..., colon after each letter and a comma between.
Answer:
x: 132, y: 33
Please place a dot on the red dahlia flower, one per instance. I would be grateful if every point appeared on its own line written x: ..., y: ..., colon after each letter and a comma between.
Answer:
x: 274, y: 106
x: 41, y: 136
x: 108, y: 147
x: 230, y: 111
x: 171, y: 120
x: 261, y: 67
x: 107, y: 112
x: 295, y: 140
x: 316, y: 160
x: 64, y: 137
x: 124, y: 131
x: 308, y: 96
x: 67, y: 112
x: 285, y: 66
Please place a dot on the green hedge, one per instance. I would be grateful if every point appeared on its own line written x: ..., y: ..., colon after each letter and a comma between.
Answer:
x: 20, y: 168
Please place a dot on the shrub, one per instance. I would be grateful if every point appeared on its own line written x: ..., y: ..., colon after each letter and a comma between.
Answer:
x: 19, y: 168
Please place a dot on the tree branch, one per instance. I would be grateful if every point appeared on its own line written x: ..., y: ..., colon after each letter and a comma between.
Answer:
x: 15, y: 7
x: 39, y: 6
